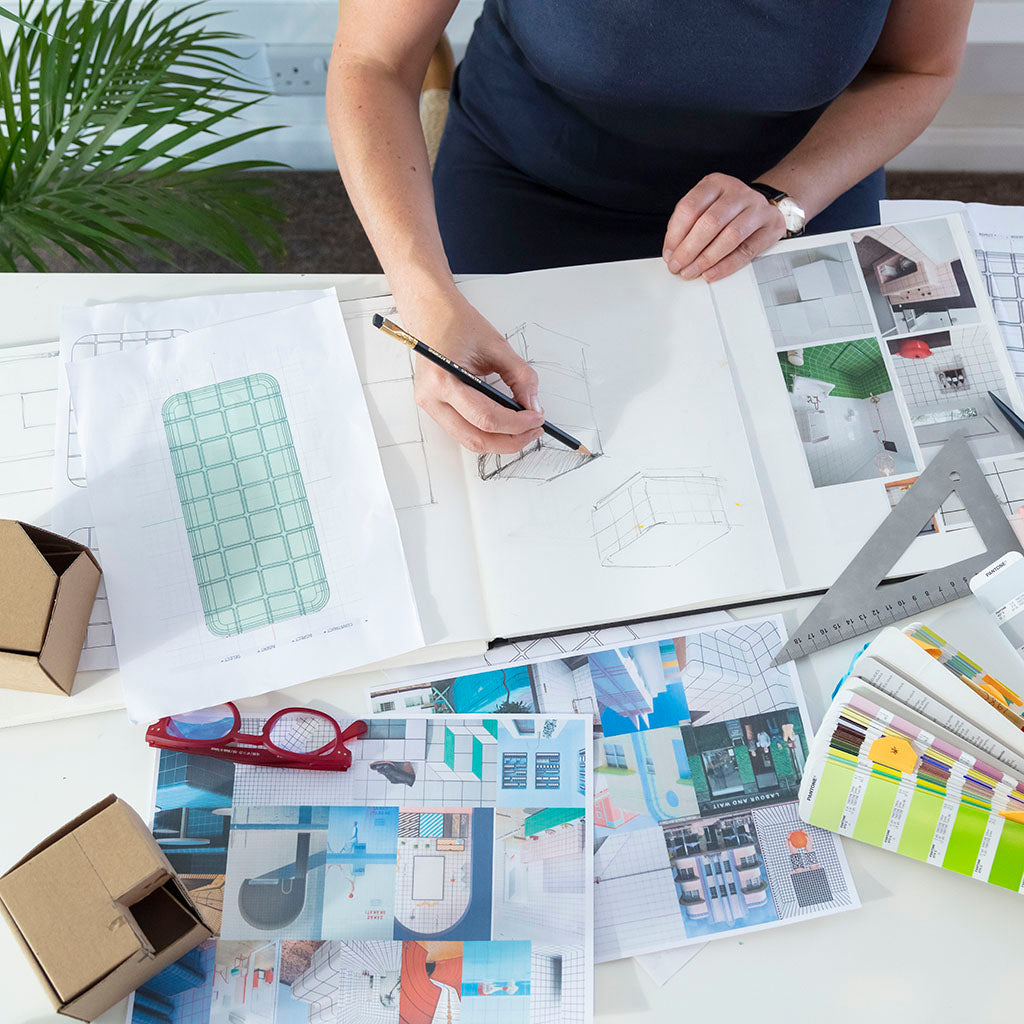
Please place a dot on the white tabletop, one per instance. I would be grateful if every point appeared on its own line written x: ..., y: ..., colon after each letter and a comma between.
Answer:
x: 926, y: 945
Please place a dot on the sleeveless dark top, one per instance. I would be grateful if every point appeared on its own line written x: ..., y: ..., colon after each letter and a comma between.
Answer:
x: 627, y: 103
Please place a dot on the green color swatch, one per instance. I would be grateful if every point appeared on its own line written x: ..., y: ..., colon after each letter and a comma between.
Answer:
x: 1008, y: 863
x: 830, y: 800
x: 550, y: 817
x: 254, y: 547
x: 919, y: 825
x: 965, y: 840
x: 875, y: 809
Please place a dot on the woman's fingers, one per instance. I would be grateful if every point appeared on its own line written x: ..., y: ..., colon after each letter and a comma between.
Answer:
x: 730, y: 229
x: 472, y: 437
x: 753, y: 245
x: 484, y: 413
x: 516, y: 372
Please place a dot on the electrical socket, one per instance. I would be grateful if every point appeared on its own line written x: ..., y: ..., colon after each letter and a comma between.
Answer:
x: 298, y: 70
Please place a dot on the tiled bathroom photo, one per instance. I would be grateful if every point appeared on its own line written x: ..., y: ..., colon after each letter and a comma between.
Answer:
x: 813, y: 294
x: 945, y: 378
x: 915, y: 277
x: 846, y: 413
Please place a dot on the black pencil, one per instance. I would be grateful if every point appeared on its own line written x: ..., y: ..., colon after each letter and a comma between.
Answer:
x: 472, y: 380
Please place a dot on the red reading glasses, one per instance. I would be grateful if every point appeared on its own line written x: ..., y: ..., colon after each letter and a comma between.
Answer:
x: 292, y: 738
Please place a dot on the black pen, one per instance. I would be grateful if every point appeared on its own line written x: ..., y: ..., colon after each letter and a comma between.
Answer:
x: 471, y: 379
x: 1011, y: 417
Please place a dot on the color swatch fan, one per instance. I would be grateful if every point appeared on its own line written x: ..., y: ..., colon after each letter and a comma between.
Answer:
x: 894, y: 765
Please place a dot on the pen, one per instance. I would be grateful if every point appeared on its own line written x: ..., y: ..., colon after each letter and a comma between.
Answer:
x: 472, y: 380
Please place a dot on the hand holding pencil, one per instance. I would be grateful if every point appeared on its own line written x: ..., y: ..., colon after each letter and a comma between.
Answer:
x: 463, y: 384
x: 459, y: 332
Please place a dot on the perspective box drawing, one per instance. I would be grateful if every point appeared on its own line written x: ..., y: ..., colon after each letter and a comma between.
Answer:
x: 700, y: 744
x: 447, y: 875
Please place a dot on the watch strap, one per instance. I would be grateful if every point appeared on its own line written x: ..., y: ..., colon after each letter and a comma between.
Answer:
x: 773, y: 195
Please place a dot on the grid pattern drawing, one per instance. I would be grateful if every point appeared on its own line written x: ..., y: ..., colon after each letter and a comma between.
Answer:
x: 562, y: 365
x: 659, y: 519
x: 254, y: 547
x: 1004, y: 277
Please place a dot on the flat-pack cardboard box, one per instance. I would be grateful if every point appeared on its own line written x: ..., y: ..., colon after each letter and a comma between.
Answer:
x: 47, y: 588
x: 97, y: 909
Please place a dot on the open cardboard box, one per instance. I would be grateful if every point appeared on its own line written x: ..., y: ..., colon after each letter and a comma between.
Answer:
x: 47, y: 588
x: 98, y: 911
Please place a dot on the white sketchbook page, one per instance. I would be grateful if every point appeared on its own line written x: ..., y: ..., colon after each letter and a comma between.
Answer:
x: 818, y: 529
x: 423, y: 468
x: 170, y: 657
x: 631, y: 362
x: 106, y: 329
x: 28, y: 377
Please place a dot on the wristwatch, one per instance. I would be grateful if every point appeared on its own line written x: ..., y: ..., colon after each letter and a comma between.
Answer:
x: 791, y: 213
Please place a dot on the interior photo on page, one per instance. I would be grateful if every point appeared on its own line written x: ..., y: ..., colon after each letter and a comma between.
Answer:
x: 221, y: 475
x: 700, y: 745
x: 835, y: 421
x: 106, y: 329
x: 446, y: 876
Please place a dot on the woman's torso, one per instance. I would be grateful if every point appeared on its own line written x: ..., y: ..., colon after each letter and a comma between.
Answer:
x: 628, y: 103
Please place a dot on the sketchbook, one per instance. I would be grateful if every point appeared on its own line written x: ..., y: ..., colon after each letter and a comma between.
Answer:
x: 922, y: 754
x: 699, y: 747
x: 446, y: 876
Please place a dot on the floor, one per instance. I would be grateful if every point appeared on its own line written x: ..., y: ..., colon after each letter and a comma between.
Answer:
x: 322, y: 234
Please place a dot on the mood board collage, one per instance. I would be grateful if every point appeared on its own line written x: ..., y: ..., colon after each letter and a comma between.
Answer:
x: 699, y: 749
x: 863, y: 354
x: 446, y: 876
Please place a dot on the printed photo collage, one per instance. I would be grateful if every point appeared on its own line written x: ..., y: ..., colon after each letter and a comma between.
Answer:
x: 446, y: 876
x: 885, y: 354
x: 699, y: 750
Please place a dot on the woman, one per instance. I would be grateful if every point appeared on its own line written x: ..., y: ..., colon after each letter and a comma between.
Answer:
x: 617, y: 129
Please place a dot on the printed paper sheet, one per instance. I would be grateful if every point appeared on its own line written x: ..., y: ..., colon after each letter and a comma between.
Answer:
x: 223, y: 477
x: 699, y: 748
x: 447, y: 875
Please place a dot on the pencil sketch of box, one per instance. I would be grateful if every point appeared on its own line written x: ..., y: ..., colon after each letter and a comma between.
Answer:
x: 658, y: 519
x: 560, y: 362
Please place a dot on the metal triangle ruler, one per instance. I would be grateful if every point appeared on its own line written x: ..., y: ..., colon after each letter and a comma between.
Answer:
x: 858, y: 602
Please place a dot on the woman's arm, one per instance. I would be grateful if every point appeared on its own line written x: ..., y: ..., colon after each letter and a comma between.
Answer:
x: 381, y: 52
x: 721, y: 224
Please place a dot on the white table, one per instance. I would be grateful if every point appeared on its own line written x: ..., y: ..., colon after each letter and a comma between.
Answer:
x: 922, y: 948
x: 915, y: 945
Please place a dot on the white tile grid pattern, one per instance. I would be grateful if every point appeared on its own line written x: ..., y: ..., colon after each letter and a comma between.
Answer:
x: 552, y: 906
x: 635, y: 901
x: 844, y: 315
x: 346, y: 980
x: 428, y: 917
x: 970, y: 349
x: 773, y: 826
x: 557, y: 980
x: 728, y: 672
x: 423, y: 747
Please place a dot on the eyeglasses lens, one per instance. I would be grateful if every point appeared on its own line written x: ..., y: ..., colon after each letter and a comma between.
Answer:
x: 207, y: 724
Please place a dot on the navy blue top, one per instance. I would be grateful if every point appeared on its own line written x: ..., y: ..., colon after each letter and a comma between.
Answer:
x: 628, y: 103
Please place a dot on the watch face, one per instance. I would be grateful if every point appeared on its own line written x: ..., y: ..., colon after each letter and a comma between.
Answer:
x: 791, y: 214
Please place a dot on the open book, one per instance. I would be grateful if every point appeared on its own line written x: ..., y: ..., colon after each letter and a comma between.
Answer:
x: 751, y: 434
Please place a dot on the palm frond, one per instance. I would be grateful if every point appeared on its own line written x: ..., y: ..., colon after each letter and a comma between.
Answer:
x: 111, y: 113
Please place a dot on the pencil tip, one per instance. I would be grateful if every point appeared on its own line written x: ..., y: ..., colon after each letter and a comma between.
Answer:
x: 377, y: 320
x: 584, y: 450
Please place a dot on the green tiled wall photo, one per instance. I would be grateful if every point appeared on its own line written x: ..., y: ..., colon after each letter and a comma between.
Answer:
x: 856, y: 368
x: 254, y: 547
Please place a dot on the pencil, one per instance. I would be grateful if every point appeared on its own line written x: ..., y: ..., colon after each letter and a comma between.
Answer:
x: 472, y: 380
x: 1011, y: 417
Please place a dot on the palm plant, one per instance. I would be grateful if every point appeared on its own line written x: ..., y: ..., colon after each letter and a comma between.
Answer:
x: 106, y: 117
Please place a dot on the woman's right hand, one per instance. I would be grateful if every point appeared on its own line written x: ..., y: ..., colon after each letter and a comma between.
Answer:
x: 455, y: 329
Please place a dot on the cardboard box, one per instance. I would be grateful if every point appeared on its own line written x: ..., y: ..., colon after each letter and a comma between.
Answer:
x: 47, y: 588
x: 98, y: 911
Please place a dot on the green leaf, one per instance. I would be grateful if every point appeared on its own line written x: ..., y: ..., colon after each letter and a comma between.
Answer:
x: 107, y: 111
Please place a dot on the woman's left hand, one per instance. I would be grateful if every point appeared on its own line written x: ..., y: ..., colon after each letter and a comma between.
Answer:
x: 719, y: 226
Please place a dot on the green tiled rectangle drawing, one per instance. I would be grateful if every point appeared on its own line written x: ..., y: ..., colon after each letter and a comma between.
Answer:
x: 253, y: 543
